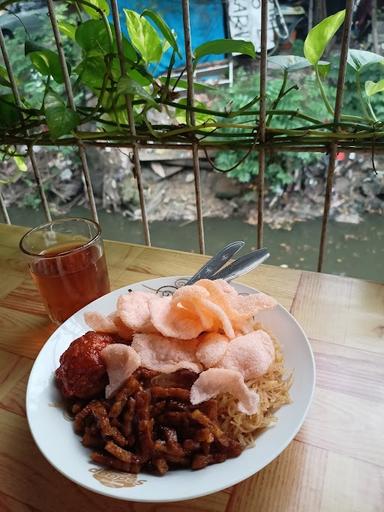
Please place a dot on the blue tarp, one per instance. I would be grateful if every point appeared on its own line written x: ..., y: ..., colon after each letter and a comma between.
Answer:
x: 207, y: 23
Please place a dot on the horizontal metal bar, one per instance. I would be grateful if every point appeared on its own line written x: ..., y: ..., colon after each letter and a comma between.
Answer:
x: 367, y: 147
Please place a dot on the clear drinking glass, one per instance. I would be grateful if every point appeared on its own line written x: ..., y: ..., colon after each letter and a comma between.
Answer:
x: 67, y: 262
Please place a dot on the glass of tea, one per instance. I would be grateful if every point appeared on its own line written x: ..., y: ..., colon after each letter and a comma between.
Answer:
x: 67, y: 262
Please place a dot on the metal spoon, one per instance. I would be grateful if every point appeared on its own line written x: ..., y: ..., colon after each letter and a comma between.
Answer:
x: 217, y: 261
x: 242, y: 265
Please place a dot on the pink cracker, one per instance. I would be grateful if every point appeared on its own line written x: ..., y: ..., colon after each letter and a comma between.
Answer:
x: 164, y: 354
x: 133, y: 310
x: 121, y: 361
x: 100, y: 323
x: 211, y: 348
x: 216, y: 381
x: 173, y: 321
x: 251, y: 354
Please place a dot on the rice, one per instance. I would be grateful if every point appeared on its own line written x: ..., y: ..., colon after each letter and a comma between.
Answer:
x: 273, y: 389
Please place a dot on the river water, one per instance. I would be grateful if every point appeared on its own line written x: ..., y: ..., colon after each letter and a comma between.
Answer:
x: 355, y: 250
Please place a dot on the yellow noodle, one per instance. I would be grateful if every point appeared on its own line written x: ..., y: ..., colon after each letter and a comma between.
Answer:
x: 273, y: 389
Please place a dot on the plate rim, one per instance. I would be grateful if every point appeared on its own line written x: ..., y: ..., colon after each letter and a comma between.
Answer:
x: 111, y: 492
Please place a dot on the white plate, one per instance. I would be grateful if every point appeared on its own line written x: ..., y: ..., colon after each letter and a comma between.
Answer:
x: 54, y: 435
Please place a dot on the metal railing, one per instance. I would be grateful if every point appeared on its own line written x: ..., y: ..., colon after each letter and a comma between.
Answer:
x: 262, y: 144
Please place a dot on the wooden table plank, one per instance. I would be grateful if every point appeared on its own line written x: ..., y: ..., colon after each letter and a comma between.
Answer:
x: 355, y: 372
x: 291, y: 483
x: 13, y: 368
x: 336, y: 461
x: 352, y: 486
x: 349, y: 425
x: 23, y: 333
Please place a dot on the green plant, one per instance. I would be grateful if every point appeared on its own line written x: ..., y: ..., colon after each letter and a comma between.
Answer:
x: 280, y: 165
x: 121, y: 84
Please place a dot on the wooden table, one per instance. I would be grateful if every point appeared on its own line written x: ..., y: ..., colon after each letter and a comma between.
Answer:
x: 335, y: 463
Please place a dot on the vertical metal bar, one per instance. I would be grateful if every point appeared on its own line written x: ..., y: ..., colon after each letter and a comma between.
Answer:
x: 4, y: 209
x: 71, y: 102
x: 262, y: 122
x: 131, y: 121
x: 375, y: 35
x: 39, y: 182
x: 192, y: 121
x: 19, y: 105
x: 310, y: 15
x: 336, y: 118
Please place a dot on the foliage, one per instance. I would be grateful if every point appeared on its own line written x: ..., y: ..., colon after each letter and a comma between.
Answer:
x: 114, y: 81
x: 281, y: 165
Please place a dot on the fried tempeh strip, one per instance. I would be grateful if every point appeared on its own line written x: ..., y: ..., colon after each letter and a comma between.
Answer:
x: 160, y: 465
x: 106, y: 429
x: 120, y: 453
x: 219, y: 435
x: 178, y: 393
x: 200, y: 461
x: 191, y: 446
x: 204, y: 435
x: 111, y: 462
x: 210, y: 409
x: 92, y: 439
x: 79, y: 422
x: 175, y: 419
x: 145, y: 375
x: 181, y: 379
x: 130, y: 388
x: 144, y: 425
x: 174, y: 454
x: 129, y: 413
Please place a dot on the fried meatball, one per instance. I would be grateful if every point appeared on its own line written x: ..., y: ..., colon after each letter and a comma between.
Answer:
x: 82, y: 372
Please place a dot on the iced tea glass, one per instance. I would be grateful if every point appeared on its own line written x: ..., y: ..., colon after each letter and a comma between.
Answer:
x: 67, y: 262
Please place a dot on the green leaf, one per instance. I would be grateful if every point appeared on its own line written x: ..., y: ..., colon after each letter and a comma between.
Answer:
x: 372, y: 88
x: 67, y: 29
x: 289, y: 62
x: 319, y: 36
x: 9, y: 113
x: 183, y: 84
x: 45, y: 61
x: 200, y: 117
x: 295, y: 63
x: 92, y: 36
x: 61, y: 120
x: 91, y: 71
x: 164, y: 28
x: 100, y: 4
x: 129, y: 51
x: 358, y: 59
x: 127, y: 85
x: 143, y: 37
x: 4, y: 77
x: 20, y: 162
x: 224, y: 46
